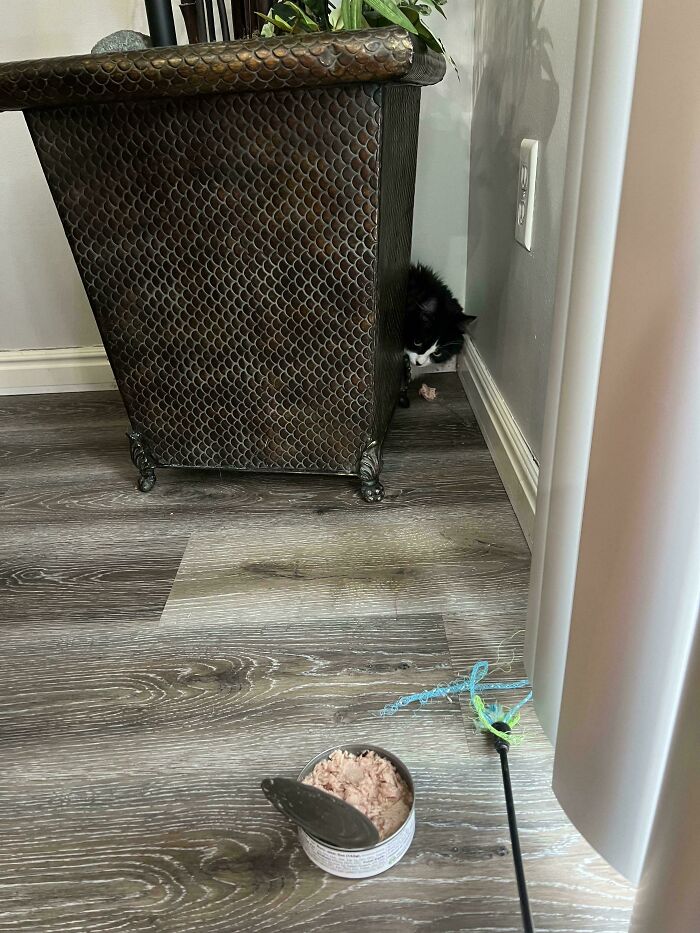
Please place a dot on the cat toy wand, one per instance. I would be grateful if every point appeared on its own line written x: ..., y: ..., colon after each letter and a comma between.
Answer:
x: 499, y: 722
x: 502, y: 747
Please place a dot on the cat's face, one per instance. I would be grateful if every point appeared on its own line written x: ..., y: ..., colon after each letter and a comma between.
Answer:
x: 427, y: 344
x: 436, y: 353
x: 424, y: 336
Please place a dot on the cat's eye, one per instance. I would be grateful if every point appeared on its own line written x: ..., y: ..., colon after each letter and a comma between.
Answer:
x: 416, y: 343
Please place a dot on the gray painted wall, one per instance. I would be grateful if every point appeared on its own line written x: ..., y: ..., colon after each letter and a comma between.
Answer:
x: 524, y: 58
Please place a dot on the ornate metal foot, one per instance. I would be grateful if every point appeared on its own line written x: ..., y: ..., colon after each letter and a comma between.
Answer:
x: 403, y: 396
x: 142, y: 461
x: 371, y: 489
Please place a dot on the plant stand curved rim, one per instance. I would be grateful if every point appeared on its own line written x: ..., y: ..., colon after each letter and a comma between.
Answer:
x: 311, y: 60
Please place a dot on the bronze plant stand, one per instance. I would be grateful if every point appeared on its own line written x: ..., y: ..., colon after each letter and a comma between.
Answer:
x: 405, y: 383
x: 240, y: 214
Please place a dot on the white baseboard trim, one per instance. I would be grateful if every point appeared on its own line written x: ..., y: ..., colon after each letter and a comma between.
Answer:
x: 85, y: 369
x: 515, y: 462
x: 68, y: 369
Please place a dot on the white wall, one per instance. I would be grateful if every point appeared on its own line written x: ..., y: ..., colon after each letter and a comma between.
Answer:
x: 42, y: 301
x: 442, y: 188
x: 524, y: 59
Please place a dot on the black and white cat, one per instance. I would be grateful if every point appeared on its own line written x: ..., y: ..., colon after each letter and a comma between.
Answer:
x: 435, y: 321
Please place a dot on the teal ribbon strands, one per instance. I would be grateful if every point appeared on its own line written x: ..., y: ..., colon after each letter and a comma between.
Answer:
x: 474, y: 685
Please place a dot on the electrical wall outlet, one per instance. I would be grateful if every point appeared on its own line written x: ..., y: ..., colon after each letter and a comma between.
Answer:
x: 527, y: 179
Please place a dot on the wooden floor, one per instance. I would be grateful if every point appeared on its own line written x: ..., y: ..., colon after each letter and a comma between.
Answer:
x: 136, y: 722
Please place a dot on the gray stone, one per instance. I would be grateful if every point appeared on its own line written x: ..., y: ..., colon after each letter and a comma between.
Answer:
x: 126, y: 40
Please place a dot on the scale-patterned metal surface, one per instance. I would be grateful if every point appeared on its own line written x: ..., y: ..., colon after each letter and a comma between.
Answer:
x: 244, y: 253
x: 293, y: 61
x: 228, y: 246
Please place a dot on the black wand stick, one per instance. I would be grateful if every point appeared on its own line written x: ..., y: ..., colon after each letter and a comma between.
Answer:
x: 502, y: 748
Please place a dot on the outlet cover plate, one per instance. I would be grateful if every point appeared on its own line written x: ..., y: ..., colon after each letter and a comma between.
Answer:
x: 527, y: 182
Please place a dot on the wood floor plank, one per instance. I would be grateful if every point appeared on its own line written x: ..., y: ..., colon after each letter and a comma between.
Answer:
x: 88, y: 573
x: 364, y: 560
x: 217, y: 720
x: 379, y: 561
x: 197, y: 501
x: 133, y: 739
x: 156, y: 746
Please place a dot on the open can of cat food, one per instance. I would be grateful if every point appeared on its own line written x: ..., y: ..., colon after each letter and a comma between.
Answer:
x: 362, y: 863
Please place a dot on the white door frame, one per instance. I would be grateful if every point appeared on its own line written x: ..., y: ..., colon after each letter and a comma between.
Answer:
x: 615, y: 599
x: 602, y: 99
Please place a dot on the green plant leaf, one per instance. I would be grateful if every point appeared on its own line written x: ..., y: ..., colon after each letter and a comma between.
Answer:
x: 389, y: 10
x: 281, y: 11
x: 317, y: 8
x: 351, y: 12
x: 336, y: 19
x: 287, y: 16
x: 303, y: 18
x: 277, y: 23
x: 436, y: 5
x: 429, y: 38
x: 426, y: 35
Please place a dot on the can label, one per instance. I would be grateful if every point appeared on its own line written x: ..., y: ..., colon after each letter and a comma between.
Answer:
x: 361, y: 863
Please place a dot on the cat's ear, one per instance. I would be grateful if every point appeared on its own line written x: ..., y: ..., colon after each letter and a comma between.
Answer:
x: 462, y: 321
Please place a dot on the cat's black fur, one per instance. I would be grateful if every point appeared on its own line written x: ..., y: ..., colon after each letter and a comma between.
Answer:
x: 434, y: 318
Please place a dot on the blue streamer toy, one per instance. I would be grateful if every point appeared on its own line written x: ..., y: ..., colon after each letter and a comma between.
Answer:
x: 499, y: 721
x: 488, y: 717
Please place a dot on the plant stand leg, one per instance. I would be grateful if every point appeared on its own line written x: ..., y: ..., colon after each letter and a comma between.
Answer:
x: 142, y: 461
x: 371, y: 489
x: 403, y: 396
